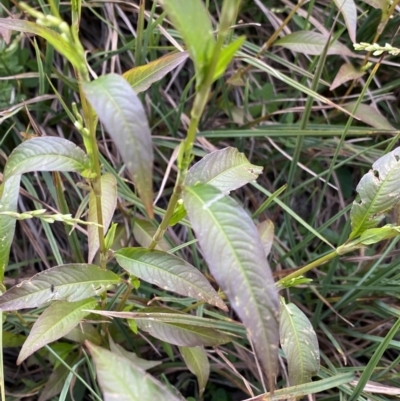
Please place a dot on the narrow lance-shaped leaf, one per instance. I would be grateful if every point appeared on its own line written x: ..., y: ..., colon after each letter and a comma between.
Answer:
x: 379, y: 192
x: 346, y: 73
x: 121, y: 380
x: 46, y: 154
x: 197, y: 362
x: 235, y: 256
x: 168, y: 272
x: 349, y: 12
x: 299, y: 343
x: 139, y: 362
x: 51, y: 36
x: 140, y: 78
x: 8, y: 203
x: 192, y: 21
x: 108, y: 205
x: 122, y: 113
x: 226, y: 169
x: 72, y: 282
x: 312, y: 43
x: 369, y: 115
x: 55, y: 322
x: 144, y: 231
x: 266, y: 232
x: 175, y: 328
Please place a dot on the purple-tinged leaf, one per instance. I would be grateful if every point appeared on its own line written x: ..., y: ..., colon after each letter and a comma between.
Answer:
x: 108, y: 205
x: 144, y: 231
x: 46, y: 153
x: 121, y: 380
x: 235, y: 255
x: 369, y: 115
x: 140, y: 78
x: 8, y: 203
x: 346, y: 73
x: 141, y: 363
x: 266, y: 232
x: 168, y: 272
x: 197, y: 362
x: 72, y: 282
x: 299, y: 343
x: 123, y: 115
x: 379, y: 193
x: 226, y: 169
x: 311, y: 43
x: 349, y: 12
x: 55, y: 322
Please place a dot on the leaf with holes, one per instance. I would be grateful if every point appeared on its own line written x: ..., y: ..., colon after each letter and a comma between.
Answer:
x: 235, y: 255
x: 108, y: 205
x: 379, y: 192
x: 312, y: 43
x: 140, y: 78
x: 226, y: 169
x: 73, y: 282
x: 349, y: 12
x: 52, y: 37
x: 347, y: 72
x: 8, y: 203
x: 168, y: 272
x: 46, y: 154
x: 369, y: 115
x: 55, y: 322
x: 123, y: 115
x: 197, y: 362
x: 299, y: 343
x: 121, y: 380
x: 144, y: 231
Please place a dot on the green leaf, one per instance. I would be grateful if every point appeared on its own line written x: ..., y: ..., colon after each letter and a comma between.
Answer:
x: 55, y: 322
x: 346, y: 73
x: 192, y: 21
x: 73, y: 282
x: 121, y: 380
x: 313, y: 43
x: 140, y: 78
x: 349, y: 12
x: 226, y: 169
x: 374, y: 235
x: 51, y: 37
x: 235, y: 255
x: 266, y: 232
x: 122, y: 114
x: 144, y: 231
x: 85, y: 331
x: 12, y: 340
x: 139, y: 362
x: 369, y: 115
x: 299, y: 343
x: 197, y: 362
x: 174, y: 327
x: 379, y: 192
x: 45, y: 154
x: 8, y: 203
x: 182, y: 334
x: 168, y: 272
x: 226, y: 56
x: 108, y: 205
x: 55, y: 382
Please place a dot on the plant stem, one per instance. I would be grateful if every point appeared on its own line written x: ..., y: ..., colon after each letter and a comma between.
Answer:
x: 199, y: 104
